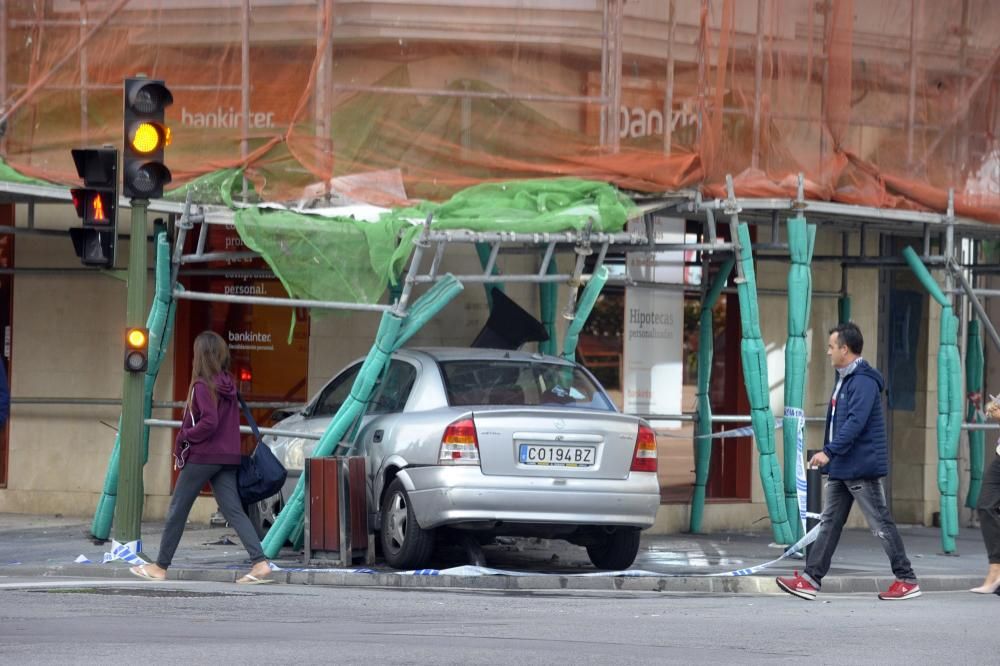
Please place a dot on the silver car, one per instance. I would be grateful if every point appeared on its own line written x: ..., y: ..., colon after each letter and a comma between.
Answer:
x: 495, y: 442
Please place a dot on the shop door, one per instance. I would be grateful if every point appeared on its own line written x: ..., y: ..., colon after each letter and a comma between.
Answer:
x: 266, y: 364
x: 732, y: 458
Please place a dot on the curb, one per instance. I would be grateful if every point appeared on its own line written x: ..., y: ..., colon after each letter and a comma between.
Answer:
x: 670, y: 584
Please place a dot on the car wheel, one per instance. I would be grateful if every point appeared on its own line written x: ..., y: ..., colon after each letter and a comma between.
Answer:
x: 616, y: 551
x: 405, y: 545
x: 262, y: 514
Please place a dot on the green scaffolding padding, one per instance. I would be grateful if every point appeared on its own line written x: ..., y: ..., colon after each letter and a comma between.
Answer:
x: 924, y: 276
x: 346, y: 260
x: 758, y: 391
x: 843, y: 309
x: 950, y: 400
x: 801, y: 243
x: 754, y: 356
x: 484, y: 250
x: 703, y: 428
x: 548, y: 296
x: 393, y: 332
x: 974, y: 386
x: 161, y: 325
x: 583, y: 308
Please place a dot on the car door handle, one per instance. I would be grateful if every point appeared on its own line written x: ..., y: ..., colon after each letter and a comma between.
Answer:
x: 377, y: 436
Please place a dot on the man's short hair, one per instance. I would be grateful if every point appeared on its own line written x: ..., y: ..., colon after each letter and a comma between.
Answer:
x: 849, y: 335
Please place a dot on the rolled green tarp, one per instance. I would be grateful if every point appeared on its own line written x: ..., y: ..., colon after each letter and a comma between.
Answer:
x: 703, y: 428
x: 393, y: 332
x: 950, y: 399
x: 583, y: 309
x: 548, y: 296
x: 755, y: 377
x: 973, y: 414
x: 801, y: 242
x: 160, y: 324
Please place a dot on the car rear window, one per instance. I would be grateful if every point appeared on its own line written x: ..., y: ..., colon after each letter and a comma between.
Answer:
x: 520, y: 383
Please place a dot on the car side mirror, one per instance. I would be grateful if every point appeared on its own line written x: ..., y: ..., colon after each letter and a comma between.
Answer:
x: 283, y: 413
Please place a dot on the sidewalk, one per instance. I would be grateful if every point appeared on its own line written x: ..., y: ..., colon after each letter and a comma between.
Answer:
x: 49, y: 546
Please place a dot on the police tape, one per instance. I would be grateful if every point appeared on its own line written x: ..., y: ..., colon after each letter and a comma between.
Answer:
x: 801, y: 484
x: 128, y: 552
x: 475, y: 571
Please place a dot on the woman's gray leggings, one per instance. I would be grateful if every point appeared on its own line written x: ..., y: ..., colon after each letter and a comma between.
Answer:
x: 191, y: 480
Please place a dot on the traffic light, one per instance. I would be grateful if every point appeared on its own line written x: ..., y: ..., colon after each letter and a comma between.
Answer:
x: 136, y: 349
x: 97, y: 205
x: 143, y: 171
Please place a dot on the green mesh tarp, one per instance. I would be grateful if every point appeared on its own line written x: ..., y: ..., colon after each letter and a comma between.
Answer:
x: 348, y: 260
x: 218, y: 188
x: 11, y: 175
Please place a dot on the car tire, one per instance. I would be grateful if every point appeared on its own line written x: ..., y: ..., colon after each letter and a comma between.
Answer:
x: 262, y: 514
x: 405, y: 545
x: 616, y: 551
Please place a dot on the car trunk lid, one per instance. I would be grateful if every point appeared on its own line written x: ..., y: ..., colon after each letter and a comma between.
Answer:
x: 555, y: 443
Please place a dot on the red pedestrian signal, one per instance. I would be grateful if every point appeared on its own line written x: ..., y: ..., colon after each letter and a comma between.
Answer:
x: 97, y: 205
x: 93, y: 207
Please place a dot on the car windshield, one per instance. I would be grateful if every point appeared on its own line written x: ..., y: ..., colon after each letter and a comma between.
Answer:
x: 521, y: 383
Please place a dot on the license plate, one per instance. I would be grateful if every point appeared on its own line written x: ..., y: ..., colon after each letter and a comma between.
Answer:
x: 557, y: 456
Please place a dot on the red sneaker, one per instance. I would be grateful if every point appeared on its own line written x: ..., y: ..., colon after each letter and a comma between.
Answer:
x: 900, y: 590
x: 798, y: 586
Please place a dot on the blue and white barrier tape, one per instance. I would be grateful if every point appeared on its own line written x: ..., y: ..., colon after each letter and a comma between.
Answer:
x: 800, y: 465
x: 128, y: 552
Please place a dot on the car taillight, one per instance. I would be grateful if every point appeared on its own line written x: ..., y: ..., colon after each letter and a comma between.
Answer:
x: 459, y: 445
x: 644, y: 458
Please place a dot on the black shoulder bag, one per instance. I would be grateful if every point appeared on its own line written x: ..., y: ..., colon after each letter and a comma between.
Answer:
x: 261, y: 473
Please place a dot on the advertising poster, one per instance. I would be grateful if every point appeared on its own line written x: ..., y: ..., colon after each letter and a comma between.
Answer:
x: 654, y: 328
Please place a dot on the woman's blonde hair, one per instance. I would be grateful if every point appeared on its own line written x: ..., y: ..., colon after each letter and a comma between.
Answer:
x: 211, y: 356
x: 993, y: 408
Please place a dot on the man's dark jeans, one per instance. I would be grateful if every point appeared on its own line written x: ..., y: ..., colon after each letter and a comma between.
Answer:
x: 838, y: 499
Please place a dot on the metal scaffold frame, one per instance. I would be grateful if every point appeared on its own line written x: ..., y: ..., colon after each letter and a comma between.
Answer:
x: 953, y: 236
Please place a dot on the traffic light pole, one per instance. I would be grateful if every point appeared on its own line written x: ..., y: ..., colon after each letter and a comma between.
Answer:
x: 128, y: 509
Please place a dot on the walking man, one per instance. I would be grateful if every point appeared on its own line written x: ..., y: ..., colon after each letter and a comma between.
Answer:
x: 857, y: 457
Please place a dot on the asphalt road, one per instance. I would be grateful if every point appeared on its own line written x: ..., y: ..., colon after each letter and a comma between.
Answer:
x: 45, y: 620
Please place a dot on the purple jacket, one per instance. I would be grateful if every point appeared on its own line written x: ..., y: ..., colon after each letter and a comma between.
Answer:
x: 215, y: 437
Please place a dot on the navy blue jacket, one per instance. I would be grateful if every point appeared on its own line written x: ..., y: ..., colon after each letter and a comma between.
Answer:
x: 858, y: 449
x: 4, y: 394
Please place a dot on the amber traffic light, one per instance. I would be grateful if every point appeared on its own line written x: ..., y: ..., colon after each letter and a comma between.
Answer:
x: 136, y: 349
x: 145, y: 136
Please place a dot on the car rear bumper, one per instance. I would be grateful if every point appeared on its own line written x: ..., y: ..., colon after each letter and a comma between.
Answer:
x: 444, y: 495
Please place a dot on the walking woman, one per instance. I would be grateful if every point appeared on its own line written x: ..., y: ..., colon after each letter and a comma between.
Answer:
x: 207, y: 450
x: 989, y: 512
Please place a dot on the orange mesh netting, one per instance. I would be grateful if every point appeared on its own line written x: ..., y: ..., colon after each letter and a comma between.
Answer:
x: 884, y: 103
